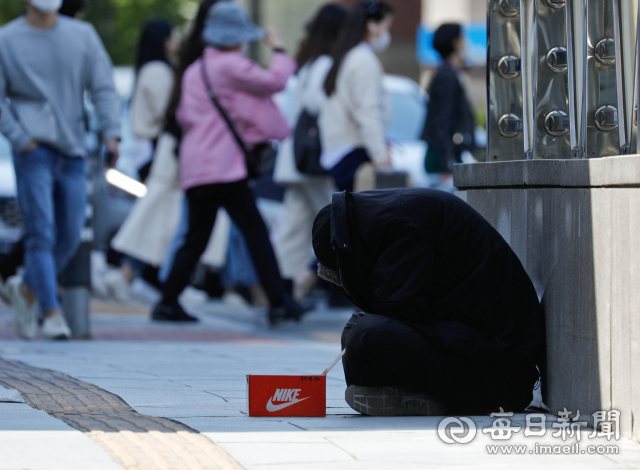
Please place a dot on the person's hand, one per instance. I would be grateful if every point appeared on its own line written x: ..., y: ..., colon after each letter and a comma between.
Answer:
x: 274, y: 40
x: 112, y: 148
x: 384, y: 165
x: 31, y: 146
x: 387, y: 163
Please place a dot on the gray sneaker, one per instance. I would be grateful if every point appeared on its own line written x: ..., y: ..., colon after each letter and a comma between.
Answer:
x: 392, y: 401
x: 25, y: 314
x: 56, y: 327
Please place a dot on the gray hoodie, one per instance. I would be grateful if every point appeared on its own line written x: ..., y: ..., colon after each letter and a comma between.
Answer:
x: 43, y: 77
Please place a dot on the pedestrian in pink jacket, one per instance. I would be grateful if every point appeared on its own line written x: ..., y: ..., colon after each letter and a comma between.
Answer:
x: 213, y: 169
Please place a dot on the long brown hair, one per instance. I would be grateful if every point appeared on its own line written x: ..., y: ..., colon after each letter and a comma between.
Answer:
x: 191, y: 50
x: 323, y: 33
x: 354, y: 33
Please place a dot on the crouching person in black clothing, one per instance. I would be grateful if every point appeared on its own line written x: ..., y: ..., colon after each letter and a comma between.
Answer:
x: 452, y: 322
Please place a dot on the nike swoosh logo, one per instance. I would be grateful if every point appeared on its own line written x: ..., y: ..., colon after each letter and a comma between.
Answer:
x: 271, y: 407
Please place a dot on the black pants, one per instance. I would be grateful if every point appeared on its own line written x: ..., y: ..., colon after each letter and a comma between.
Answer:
x: 237, y: 199
x: 383, y: 351
x: 11, y: 261
x: 345, y: 171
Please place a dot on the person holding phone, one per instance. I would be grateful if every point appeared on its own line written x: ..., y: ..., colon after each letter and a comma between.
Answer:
x: 47, y: 62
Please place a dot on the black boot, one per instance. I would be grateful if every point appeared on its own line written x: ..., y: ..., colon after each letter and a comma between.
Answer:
x: 171, y: 313
x: 290, y: 310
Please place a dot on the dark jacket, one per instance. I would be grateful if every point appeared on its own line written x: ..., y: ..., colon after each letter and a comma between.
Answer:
x: 449, y: 127
x: 426, y: 257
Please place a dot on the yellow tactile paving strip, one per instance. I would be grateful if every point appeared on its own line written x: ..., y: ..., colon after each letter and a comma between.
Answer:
x: 135, y: 441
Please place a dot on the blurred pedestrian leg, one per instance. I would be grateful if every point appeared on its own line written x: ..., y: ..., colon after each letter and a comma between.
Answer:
x: 302, y: 202
x: 176, y: 243
x: 9, y: 264
x: 239, y: 202
x: 150, y: 229
x: 53, y: 195
x: 239, y: 271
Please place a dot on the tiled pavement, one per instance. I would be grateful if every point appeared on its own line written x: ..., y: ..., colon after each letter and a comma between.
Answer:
x: 197, y: 378
x: 132, y: 439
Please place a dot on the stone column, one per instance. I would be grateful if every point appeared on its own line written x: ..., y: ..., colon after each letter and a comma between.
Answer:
x: 575, y: 225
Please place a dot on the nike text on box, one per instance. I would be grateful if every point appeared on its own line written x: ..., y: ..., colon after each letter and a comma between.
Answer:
x: 287, y: 395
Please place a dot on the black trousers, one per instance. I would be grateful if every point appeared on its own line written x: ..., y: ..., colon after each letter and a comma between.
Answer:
x: 383, y: 351
x: 238, y: 200
x: 345, y: 171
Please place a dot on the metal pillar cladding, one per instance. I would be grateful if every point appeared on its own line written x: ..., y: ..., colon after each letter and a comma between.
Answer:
x: 563, y: 78
x: 504, y: 84
x: 529, y: 67
x: 625, y: 24
x: 601, y: 85
x: 552, y: 111
x: 576, y: 24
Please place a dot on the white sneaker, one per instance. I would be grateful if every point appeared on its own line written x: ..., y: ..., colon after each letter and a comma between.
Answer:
x: 55, y: 327
x: 4, y: 292
x: 99, y: 269
x: 25, y: 315
x: 233, y: 299
x: 117, y: 286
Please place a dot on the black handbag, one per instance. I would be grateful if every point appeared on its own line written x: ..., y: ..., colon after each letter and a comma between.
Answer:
x: 260, y: 160
x: 306, y: 145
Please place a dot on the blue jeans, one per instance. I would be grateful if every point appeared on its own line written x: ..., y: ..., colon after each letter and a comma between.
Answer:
x: 52, y: 192
x: 239, y: 268
x: 176, y: 243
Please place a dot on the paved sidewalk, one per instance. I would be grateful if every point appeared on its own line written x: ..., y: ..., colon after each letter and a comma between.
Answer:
x: 31, y: 439
x: 200, y: 383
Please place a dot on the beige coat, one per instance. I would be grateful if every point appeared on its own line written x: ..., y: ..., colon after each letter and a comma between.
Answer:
x: 150, y: 99
x: 355, y: 114
x: 154, y: 220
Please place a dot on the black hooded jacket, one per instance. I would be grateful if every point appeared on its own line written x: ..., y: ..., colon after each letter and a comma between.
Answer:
x: 427, y: 258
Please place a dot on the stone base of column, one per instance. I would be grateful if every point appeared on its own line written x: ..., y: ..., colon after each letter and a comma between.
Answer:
x: 575, y: 225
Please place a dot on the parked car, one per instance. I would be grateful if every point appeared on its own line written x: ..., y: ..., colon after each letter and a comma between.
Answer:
x: 408, y: 114
x: 10, y: 216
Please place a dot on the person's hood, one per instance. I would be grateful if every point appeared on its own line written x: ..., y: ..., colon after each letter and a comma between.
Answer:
x: 331, y: 232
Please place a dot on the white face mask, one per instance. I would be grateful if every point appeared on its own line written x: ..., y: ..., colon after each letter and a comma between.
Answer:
x: 382, y: 42
x: 47, y: 6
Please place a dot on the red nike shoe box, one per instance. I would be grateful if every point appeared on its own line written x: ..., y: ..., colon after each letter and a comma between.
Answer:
x: 287, y: 395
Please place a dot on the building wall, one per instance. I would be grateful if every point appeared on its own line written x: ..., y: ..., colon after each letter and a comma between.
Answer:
x: 436, y: 12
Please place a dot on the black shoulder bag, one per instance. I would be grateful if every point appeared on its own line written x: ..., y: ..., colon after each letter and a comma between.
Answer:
x: 260, y: 159
x: 306, y: 141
